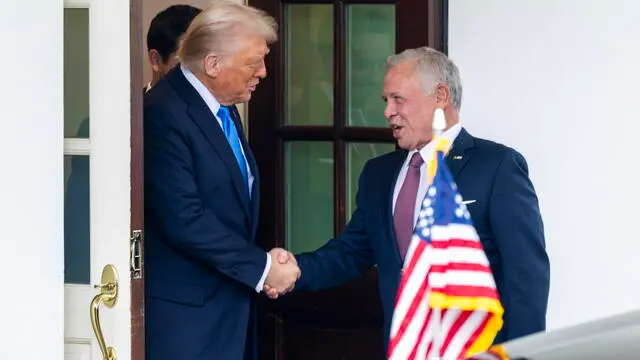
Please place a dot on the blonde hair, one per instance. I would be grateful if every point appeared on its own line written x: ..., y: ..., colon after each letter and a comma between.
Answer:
x: 217, y: 28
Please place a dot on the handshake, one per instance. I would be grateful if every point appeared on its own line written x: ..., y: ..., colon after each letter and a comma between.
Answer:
x: 283, y: 274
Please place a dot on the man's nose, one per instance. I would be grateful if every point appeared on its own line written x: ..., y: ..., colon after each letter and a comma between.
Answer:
x: 262, y: 71
x: 389, y: 110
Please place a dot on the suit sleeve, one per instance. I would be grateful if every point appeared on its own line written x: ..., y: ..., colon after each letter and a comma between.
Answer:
x: 343, y: 258
x: 172, y: 201
x: 518, y: 229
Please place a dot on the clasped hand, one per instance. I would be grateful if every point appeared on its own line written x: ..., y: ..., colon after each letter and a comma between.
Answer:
x: 283, y: 274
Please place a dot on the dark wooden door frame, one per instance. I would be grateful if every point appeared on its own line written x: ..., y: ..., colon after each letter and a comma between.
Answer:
x: 267, y: 133
x: 137, y: 176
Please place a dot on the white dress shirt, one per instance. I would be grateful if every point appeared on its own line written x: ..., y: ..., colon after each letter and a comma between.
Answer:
x: 214, y: 106
x: 426, y: 153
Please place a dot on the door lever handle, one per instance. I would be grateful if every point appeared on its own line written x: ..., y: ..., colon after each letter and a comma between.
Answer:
x: 109, y: 297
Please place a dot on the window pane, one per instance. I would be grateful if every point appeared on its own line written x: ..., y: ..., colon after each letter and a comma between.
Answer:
x: 76, y: 73
x: 371, y: 38
x: 308, y: 64
x: 309, y: 194
x: 357, y: 156
x: 76, y: 219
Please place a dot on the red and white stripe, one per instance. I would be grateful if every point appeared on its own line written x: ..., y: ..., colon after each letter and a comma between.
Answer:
x: 454, y: 263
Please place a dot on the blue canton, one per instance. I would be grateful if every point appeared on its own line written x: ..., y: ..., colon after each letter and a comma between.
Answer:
x: 442, y: 205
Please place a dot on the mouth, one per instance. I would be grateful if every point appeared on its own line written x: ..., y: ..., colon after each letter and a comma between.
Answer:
x: 252, y: 87
x: 396, y: 129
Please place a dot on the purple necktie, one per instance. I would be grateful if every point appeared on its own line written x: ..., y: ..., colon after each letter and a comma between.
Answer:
x: 406, y: 204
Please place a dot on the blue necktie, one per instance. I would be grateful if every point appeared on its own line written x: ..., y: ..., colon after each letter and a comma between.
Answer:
x: 231, y: 133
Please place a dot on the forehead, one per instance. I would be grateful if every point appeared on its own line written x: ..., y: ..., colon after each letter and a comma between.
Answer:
x: 400, y: 78
x: 252, y: 46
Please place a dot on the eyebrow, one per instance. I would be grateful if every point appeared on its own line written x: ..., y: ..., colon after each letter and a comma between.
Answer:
x: 393, y: 94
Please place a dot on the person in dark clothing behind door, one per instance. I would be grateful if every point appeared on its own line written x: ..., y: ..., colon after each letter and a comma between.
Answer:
x: 165, y: 31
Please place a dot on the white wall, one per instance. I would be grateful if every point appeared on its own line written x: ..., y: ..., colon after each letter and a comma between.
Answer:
x: 31, y: 184
x: 558, y: 80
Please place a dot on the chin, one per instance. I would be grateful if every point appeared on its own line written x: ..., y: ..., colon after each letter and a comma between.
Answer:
x: 403, y: 145
x: 246, y: 97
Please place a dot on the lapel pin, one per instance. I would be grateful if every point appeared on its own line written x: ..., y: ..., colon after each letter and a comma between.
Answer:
x: 457, y: 157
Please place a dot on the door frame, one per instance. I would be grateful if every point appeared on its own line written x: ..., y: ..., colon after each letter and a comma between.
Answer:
x: 137, y: 180
x: 267, y: 135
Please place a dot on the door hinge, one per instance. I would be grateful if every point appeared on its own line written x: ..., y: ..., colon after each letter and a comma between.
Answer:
x: 135, y: 258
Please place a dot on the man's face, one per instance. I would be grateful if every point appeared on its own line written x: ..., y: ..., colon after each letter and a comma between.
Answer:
x: 236, y: 76
x: 409, y: 108
x: 172, y: 61
x: 159, y: 67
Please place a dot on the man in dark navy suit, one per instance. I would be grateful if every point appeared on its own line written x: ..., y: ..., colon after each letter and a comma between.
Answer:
x: 203, y: 267
x: 493, y: 180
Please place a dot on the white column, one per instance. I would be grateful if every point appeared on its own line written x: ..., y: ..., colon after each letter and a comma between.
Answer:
x: 31, y: 180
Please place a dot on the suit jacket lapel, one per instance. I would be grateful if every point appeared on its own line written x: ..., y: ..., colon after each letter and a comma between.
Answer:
x: 456, y: 159
x: 459, y: 155
x: 201, y: 114
x: 389, y: 182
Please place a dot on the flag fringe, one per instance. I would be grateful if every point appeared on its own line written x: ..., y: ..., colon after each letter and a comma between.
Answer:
x: 441, y: 301
x: 486, y: 337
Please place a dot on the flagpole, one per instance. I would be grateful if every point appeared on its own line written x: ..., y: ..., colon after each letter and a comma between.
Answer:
x: 438, y: 127
x: 439, y: 123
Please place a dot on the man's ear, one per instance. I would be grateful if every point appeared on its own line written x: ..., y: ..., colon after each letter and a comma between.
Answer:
x: 155, y: 60
x: 443, y: 95
x: 212, y: 65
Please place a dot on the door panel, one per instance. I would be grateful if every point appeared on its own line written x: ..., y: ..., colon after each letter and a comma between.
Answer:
x: 97, y: 173
x: 314, y: 122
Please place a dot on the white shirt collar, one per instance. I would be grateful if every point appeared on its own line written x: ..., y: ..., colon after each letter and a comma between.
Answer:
x: 427, y: 152
x: 205, y: 94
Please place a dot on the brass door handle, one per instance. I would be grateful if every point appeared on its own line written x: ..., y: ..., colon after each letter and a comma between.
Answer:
x: 109, y: 297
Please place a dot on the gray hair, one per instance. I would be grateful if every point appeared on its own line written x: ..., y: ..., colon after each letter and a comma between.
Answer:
x: 432, y: 67
x: 217, y: 28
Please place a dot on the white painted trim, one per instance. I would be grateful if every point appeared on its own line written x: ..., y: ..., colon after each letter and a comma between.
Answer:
x: 77, y: 4
x: 77, y: 329
x: 109, y: 181
x: 77, y: 146
x: 110, y: 113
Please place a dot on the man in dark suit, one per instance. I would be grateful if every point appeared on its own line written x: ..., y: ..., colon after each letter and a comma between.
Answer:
x: 493, y: 180
x: 203, y: 268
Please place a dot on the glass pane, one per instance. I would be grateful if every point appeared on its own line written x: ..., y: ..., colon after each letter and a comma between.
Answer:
x: 308, y: 64
x: 371, y: 38
x: 76, y: 73
x: 76, y: 219
x: 309, y: 194
x: 357, y: 156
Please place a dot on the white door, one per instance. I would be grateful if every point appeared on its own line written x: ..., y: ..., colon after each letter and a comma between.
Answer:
x: 97, y: 172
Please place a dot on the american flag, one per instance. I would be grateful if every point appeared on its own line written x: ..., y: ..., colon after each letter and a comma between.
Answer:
x: 447, y: 306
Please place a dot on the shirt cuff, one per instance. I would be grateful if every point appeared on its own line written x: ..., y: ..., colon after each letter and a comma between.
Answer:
x: 260, y: 285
